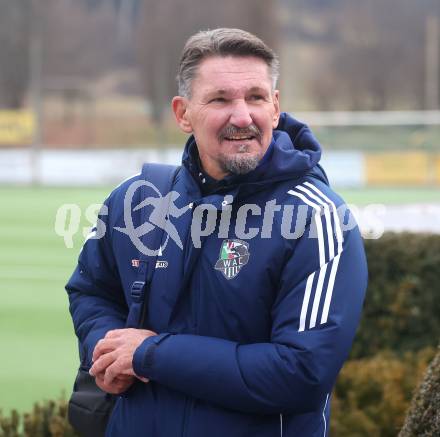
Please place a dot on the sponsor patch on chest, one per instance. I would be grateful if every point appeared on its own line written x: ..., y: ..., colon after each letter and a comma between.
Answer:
x: 234, y: 254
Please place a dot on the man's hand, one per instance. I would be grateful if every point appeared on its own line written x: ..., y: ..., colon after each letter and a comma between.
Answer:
x: 118, y: 386
x: 113, y: 359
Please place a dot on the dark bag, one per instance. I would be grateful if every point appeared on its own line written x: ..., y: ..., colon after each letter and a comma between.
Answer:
x: 89, y: 407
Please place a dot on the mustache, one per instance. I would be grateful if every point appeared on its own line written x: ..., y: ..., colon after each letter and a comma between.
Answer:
x: 230, y: 130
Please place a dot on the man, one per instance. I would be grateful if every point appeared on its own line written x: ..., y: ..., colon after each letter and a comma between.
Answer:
x: 248, y: 325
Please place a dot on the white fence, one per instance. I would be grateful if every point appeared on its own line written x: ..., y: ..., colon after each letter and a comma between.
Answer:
x: 107, y: 167
x: 370, y: 118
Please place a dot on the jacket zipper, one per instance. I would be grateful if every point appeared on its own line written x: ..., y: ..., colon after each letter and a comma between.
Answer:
x: 189, y: 403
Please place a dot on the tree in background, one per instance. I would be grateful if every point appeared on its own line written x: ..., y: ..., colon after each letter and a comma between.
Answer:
x: 381, y: 56
x: 362, y: 55
x: 76, y: 39
x: 342, y: 54
x: 75, y: 43
x: 15, y: 26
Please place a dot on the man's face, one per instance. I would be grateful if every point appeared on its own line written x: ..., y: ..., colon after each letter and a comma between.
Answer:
x: 232, y: 112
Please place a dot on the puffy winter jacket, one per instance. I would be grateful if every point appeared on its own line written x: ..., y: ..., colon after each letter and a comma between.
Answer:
x: 254, y: 319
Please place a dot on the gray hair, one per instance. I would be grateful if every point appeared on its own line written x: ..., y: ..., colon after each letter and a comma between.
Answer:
x: 222, y: 42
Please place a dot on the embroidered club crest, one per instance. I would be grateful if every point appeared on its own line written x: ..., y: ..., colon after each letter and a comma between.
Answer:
x: 234, y: 254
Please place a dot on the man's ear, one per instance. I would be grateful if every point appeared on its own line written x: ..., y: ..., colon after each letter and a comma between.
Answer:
x: 180, y: 110
x: 276, y: 102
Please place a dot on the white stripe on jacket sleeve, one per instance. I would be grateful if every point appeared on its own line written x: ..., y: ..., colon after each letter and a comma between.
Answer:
x: 318, y: 221
x: 331, y: 245
x: 314, y: 197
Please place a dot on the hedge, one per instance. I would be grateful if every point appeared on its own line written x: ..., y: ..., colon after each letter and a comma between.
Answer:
x: 423, y: 419
x: 47, y: 419
x: 402, y: 306
x: 372, y: 394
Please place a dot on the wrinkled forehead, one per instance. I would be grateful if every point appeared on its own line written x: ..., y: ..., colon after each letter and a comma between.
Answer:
x: 231, y: 73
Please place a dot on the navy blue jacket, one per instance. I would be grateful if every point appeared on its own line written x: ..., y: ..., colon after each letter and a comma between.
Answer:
x: 254, y: 322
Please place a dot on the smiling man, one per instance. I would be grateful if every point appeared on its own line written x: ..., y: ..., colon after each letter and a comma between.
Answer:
x: 232, y: 108
x: 244, y: 333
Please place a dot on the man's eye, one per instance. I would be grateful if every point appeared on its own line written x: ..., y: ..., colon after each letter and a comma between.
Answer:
x: 256, y: 97
x: 218, y: 100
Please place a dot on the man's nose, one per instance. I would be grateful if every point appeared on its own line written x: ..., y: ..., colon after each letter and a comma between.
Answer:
x: 240, y: 115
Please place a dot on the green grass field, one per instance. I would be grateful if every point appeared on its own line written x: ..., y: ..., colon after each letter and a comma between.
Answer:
x: 38, y: 347
x: 38, y: 358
